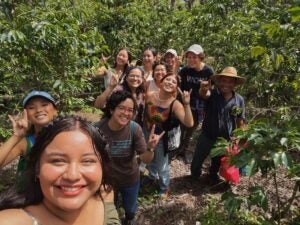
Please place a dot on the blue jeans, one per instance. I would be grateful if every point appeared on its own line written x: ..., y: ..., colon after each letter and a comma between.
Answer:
x: 159, y: 167
x: 202, y: 151
x: 129, y: 199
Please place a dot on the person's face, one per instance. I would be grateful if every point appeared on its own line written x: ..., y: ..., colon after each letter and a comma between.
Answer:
x: 159, y: 72
x: 193, y: 60
x: 148, y: 57
x: 169, y: 84
x: 158, y: 57
x: 40, y: 111
x: 134, y: 78
x: 122, y: 57
x: 70, y: 171
x: 123, y: 113
x: 170, y: 59
x: 226, y: 84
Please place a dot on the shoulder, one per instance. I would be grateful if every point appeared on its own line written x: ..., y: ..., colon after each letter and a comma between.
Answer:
x: 135, y: 127
x: 183, y: 70
x: 208, y: 70
x: 239, y: 97
x: 14, y: 216
x: 176, y: 105
x: 111, y: 214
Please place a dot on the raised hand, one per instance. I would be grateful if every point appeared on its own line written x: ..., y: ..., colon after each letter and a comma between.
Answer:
x: 114, y: 81
x: 154, y: 138
x: 20, y: 125
x: 185, y: 96
x: 205, y: 85
x: 179, y: 59
x: 104, y: 59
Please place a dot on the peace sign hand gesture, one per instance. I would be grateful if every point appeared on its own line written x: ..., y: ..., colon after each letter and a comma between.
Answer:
x: 20, y: 125
x: 114, y: 80
x: 154, y: 138
x: 185, y: 96
x: 205, y: 85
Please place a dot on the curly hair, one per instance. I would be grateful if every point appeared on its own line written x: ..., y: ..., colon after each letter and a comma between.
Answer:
x: 115, y: 99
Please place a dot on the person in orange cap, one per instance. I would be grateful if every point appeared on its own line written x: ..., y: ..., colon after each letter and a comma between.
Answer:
x: 225, y: 112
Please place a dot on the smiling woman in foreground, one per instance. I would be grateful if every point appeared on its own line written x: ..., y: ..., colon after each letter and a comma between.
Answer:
x: 66, y: 181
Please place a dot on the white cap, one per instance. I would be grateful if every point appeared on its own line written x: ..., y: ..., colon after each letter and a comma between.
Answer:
x: 197, y: 49
x: 171, y: 51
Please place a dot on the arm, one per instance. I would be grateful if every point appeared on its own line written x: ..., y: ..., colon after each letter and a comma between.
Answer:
x: 11, y: 149
x: 101, y: 71
x: 183, y: 111
x: 16, y: 144
x: 147, y: 156
x: 101, y: 99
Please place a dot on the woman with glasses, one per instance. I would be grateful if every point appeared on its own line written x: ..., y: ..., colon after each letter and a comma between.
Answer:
x: 126, y: 141
x: 133, y: 83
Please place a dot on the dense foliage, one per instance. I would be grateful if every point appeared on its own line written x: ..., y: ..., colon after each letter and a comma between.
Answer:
x: 54, y: 45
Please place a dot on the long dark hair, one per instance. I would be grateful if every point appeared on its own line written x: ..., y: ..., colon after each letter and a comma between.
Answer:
x: 30, y: 192
x: 129, y: 60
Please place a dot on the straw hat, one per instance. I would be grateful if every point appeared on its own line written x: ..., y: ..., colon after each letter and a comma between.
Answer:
x: 229, y: 72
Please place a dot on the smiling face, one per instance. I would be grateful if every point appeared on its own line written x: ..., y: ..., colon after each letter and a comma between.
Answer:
x: 70, y: 171
x: 170, y: 59
x: 134, y: 78
x: 226, y: 84
x: 148, y: 57
x: 122, y: 114
x: 40, y: 111
x: 193, y: 60
x: 159, y: 72
x: 122, y: 58
x: 169, y: 84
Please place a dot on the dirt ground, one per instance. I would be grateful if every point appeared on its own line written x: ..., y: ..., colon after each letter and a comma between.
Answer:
x: 189, y: 198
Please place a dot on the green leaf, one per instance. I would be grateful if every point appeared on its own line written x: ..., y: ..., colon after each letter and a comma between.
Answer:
x: 257, y: 51
x: 284, y: 141
x: 276, y: 159
x: 285, y: 160
x: 258, y: 197
x: 231, y: 202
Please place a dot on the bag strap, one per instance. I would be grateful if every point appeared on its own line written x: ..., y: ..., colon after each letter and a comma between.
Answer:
x: 133, y: 127
x: 171, y: 109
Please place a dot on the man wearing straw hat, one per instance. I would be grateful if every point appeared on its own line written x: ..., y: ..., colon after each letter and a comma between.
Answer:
x: 225, y: 112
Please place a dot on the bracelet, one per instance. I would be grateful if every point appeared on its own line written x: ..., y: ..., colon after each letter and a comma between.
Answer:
x: 186, y: 104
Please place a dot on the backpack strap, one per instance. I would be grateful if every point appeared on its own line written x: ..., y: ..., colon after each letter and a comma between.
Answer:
x: 30, y: 141
x: 133, y: 128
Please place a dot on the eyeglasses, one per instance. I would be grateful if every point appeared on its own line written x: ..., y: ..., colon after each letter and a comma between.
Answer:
x: 125, y: 109
x: 134, y: 76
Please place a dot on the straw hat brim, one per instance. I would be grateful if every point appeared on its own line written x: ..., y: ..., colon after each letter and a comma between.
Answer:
x: 239, y: 80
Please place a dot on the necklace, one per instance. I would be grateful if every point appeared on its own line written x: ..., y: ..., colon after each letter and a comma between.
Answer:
x: 161, y: 100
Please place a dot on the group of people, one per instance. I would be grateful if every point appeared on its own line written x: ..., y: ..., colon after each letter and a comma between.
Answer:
x: 71, y: 169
